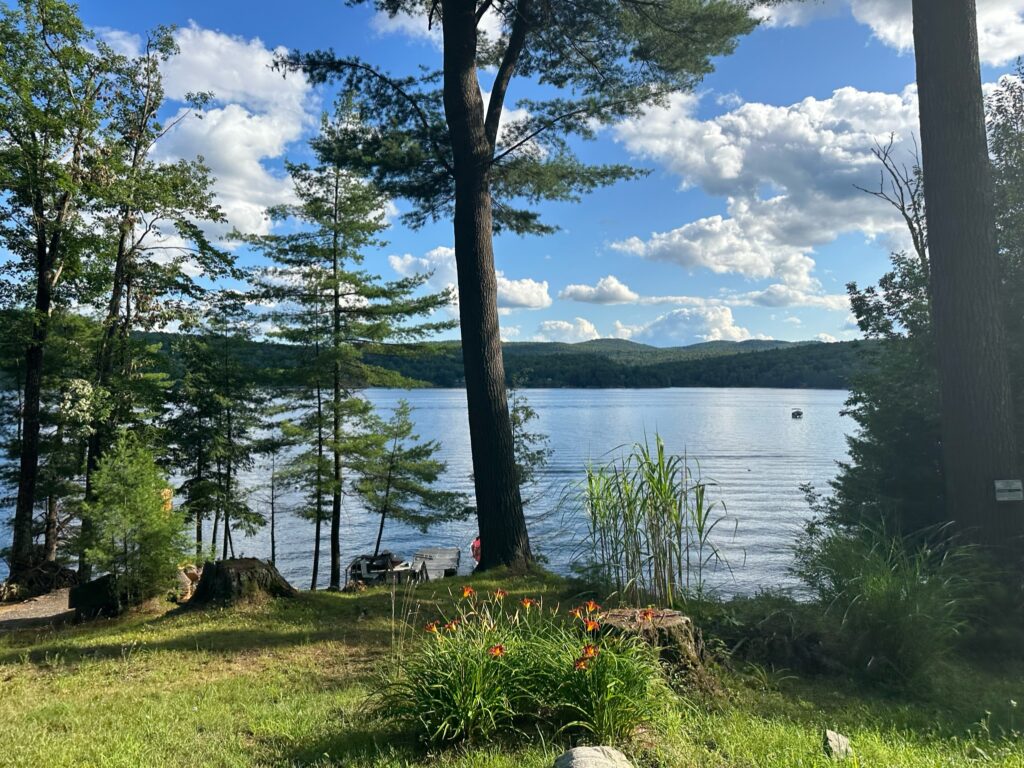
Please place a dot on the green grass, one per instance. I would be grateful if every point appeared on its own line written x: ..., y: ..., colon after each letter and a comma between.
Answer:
x: 288, y: 682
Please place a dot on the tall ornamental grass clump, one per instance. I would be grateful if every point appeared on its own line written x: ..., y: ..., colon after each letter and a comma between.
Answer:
x: 651, y: 527
x: 897, y: 605
x: 497, y: 667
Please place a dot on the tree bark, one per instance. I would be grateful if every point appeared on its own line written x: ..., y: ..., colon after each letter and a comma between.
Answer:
x: 979, y: 445
x: 336, y: 398
x: 50, y: 531
x: 319, y: 481
x: 503, y: 535
x: 28, y: 471
x: 273, y: 510
x: 387, y: 497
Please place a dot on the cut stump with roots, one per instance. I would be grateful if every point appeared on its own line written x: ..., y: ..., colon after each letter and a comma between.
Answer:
x: 239, y: 580
x: 679, y: 643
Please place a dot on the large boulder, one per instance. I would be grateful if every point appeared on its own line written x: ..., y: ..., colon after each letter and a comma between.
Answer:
x: 592, y: 757
x: 240, y: 579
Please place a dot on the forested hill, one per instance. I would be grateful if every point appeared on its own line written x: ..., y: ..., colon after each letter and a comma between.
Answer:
x: 617, y: 363
x: 606, y: 363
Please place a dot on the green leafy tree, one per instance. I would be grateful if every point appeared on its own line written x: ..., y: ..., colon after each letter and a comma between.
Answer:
x: 139, y: 536
x: 398, y: 474
x: 434, y: 141
x: 330, y: 304
x: 147, y: 279
x: 54, y: 84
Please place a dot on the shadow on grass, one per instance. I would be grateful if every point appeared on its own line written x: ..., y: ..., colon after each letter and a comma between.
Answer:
x: 307, y: 619
x: 362, y: 740
x: 361, y: 621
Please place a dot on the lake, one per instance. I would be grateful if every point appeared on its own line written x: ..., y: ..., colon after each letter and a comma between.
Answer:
x: 744, y: 439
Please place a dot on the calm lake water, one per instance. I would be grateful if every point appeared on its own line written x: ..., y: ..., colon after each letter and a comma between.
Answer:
x: 744, y: 439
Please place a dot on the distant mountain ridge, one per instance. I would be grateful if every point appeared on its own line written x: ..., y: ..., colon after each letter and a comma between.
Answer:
x: 601, y: 363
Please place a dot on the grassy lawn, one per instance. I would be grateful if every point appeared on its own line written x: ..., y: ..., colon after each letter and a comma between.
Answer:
x: 292, y: 683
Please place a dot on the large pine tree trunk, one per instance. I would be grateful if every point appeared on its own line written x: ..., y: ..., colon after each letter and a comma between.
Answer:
x: 503, y: 536
x: 979, y: 445
x: 336, y: 401
x: 28, y: 471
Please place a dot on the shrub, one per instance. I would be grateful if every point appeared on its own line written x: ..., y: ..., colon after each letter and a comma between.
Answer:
x: 137, y: 536
x: 498, y: 667
x: 900, y: 605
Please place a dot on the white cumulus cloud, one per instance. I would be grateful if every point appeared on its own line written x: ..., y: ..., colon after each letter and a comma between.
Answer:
x: 255, y: 116
x: 580, y: 329
x: 788, y: 175
x: 522, y: 293
x: 687, y: 326
x: 607, y: 290
x: 1000, y: 22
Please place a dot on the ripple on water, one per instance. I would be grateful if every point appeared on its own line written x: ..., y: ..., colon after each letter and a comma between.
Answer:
x: 744, y: 439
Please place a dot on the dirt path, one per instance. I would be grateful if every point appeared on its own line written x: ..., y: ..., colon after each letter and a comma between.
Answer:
x: 39, y: 611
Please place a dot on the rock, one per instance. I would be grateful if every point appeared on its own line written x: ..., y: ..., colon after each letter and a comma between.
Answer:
x: 185, y: 586
x: 592, y: 757
x: 99, y: 597
x: 836, y: 746
x: 182, y: 587
x: 240, y: 579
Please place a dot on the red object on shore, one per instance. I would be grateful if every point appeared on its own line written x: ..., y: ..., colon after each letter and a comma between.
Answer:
x: 474, y: 548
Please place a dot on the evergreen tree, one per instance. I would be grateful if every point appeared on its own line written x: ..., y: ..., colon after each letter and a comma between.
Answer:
x: 397, y: 475
x: 148, y: 279
x: 217, y: 410
x: 139, y: 535
x: 433, y: 141
x: 330, y: 304
x: 895, y: 477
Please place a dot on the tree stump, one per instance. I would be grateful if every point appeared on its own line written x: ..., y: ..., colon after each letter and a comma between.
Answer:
x: 240, y: 579
x: 679, y: 643
x: 100, y: 597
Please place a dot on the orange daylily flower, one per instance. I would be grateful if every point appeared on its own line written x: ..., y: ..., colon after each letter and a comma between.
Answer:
x: 589, y: 651
x: 496, y: 650
x: 647, y: 614
x: 500, y: 594
x: 576, y: 613
x: 468, y: 591
x: 431, y: 627
x: 527, y: 602
x: 591, y: 625
x: 452, y: 625
x: 592, y: 606
x: 580, y: 664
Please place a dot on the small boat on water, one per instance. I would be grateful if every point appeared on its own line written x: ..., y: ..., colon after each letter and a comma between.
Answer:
x: 797, y: 413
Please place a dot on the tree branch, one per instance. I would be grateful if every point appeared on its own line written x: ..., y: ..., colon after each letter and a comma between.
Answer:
x: 516, y: 43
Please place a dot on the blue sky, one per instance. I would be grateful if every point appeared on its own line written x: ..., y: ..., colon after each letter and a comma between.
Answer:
x: 749, y: 224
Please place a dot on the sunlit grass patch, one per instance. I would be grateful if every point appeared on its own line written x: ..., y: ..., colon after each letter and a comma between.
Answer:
x: 294, y: 683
